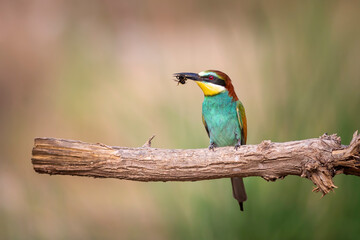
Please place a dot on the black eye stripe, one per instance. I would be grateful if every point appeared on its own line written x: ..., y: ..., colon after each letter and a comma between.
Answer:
x: 216, y: 81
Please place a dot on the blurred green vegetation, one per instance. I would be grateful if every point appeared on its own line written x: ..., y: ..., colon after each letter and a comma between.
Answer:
x: 101, y: 71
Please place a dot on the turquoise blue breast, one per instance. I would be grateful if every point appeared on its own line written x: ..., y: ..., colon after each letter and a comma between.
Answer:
x: 220, y: 115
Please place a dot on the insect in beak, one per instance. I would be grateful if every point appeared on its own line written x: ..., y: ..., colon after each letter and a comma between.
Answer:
x: 180, y: 79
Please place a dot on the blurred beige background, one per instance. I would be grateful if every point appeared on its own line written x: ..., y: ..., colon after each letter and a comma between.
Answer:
x: 101, y: 71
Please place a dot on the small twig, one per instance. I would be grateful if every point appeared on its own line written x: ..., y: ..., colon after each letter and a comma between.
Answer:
x: 148, y: 142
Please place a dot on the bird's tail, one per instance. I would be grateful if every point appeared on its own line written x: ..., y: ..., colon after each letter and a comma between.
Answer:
x: 239, y: 191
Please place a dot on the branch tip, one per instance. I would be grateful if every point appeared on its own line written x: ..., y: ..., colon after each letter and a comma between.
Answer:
x: 148, y: 142
x: 355, y: 137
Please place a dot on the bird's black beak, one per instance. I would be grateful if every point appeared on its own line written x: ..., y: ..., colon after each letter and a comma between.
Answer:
x: 186, y: 75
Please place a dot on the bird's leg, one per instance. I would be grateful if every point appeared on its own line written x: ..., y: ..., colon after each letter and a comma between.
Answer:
x: 238, y: 144
x: 212, y: 146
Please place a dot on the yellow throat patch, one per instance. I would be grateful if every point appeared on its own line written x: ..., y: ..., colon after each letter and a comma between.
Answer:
x: 210, y: 89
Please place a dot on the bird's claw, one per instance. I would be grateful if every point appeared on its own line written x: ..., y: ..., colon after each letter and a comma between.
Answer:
x: 212, y: 146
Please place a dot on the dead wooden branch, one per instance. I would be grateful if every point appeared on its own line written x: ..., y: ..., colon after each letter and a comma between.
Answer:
x: 318, y: 159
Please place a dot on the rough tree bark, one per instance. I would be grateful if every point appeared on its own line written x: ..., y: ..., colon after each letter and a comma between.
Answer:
x: 318, y: 159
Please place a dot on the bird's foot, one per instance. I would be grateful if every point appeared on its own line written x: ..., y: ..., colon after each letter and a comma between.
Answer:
x: 212, y: 146
x: 237, y: 146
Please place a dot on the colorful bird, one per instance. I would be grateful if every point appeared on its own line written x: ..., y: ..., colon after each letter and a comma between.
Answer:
x: 223, y: 116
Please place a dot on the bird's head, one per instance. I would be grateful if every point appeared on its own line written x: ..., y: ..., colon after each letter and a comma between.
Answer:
x: 211, y: 82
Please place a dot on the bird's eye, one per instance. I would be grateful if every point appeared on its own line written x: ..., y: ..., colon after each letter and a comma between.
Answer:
x: 211, y: 77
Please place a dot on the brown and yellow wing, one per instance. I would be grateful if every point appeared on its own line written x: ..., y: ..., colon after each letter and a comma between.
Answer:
x: 242, y: 121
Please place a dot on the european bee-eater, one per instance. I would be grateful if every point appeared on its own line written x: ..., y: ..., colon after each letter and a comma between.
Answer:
x: 223, y: 116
